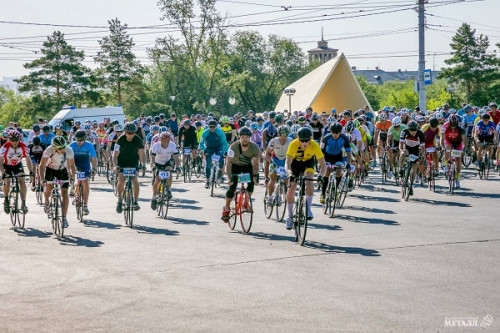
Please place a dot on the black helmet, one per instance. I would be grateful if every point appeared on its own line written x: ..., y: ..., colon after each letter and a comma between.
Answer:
x: 157, y: 119
x: 130, y: 127
x: 115, y: 122
x: 80, y: 134
x: 412, y: 125
x: 453, y: 120
x: 197, y: 124
x: 272, y: 114
x: 245, y: 131
x: 59, y: 142
x: 304, y: 133
x: 315, y: 117
x: 336, y: 128
x: 36, y: 141
x: 434, y: 122
x: 349, y: 127
x: 212, y: 123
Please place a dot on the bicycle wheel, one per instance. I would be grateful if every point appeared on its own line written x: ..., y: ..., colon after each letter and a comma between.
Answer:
x: 246, y: 216
x: 405, y: 185
x: 39, y: 191
x: 467, y: 157
x: 384, y: 167
x: 268, y: 209
x: 396, y: 174
x: 212, y: 181
x: 184, y: 172
x: 342, y: 191
x: 128, y: 209
x: 451, y: 178
x: 301, y: 221
x: 13, y: 197
x: 236, y: 213
x: 487, y: 167
x: 166, y: 200
x: 114, y: 184
x: 327, y: 206
x: 79, y: 203
x: 57, y: 221
x: 408, y: 180
x: 333, y: 197
x: 197, y: 167
x: 280, y: 197
x: 109, y: 178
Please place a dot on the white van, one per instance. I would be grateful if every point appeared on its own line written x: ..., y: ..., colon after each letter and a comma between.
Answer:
x: 67, y: 117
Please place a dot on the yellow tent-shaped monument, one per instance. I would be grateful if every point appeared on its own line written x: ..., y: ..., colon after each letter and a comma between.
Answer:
x: 331, y: 85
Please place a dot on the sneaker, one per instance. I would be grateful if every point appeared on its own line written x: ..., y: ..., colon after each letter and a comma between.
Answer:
x: 119, y: 209
x: 207, y: 184
x: 266, y: 181
x: 310, y: 215
x: 32, y: 188
x: 322, y: 199
x: 46, y: 208
x: 457, y: 184
x: 154, y: 204
x: 6, y: 206
x: 350, y: 184
x: 389, y: 174
x: 289, y: 223
x: 225, y: 215
x: 136, y: 206
x: 24, y: 209
x: 270, y: 202
x: 65, y: 222
x: 86, y: 210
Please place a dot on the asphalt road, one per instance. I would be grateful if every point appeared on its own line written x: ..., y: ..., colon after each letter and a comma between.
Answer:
x: 381, y: 265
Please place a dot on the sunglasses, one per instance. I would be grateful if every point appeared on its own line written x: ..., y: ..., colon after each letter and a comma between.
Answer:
x: 80, y: 140
x: 212, y: 127
x: 14, y: 140
x: 304, y: 140
x: 130, y: 133
x: 61, y: 148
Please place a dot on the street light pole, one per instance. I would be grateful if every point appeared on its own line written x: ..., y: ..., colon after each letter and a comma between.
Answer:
x: 289, y: 92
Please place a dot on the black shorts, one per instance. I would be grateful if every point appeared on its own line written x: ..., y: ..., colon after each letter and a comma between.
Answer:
x: 14, y: 170
x: 299, y: 167
x: 51, y: 174
x: 332, y: 159
x: 486, y: 139
x: 235, y: 170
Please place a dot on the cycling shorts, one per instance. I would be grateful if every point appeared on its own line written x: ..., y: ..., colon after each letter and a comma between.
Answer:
x: 62, y: 174
x: 13, y: 170
x: 455, y: 145
x: 486, y: 139
x: 332, y: 159
x: 299, y: 167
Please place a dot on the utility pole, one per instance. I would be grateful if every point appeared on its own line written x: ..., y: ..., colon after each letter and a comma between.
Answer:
x: 421, y: 55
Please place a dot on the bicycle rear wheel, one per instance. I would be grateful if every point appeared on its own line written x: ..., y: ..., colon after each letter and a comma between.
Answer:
x: 383, y: 167
x: 79, y: 203
x: 236, y: 214
x: 327, y: 206
x: 281, y: 204
x: 14, y: 204
x: 405, y: 185
x: 268, y: 209
x: 246, y: 216
x: 57, y: 221
x: 300, y: 224
x: 165, y: 200
x: 342, y: 191
x: 39, y: 191
x: 451, y: 179
x: 197, y: 167
x: 128, y: 210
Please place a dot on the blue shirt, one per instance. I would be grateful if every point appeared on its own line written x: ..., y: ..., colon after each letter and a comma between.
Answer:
x: 485, y: 129
x: 174, y: 126
x: 46, y: 140
x: 334, y: 146
x: 83, y: 153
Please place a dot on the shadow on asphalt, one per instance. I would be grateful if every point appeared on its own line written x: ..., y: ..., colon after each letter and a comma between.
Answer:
x: 178, y: 189
x: 358, y: 219
x: 369, y: 197
x: 324, y: 226
x: 154, y: 231
x: 100, y: 224
x: 477, y: 195
x: 262, y: 235
x: 342, y: 250
x: 30, y: 232
x: 78, y: 241
x: 370, y: 210
x: 373, y: 188
x: 186, y: 221
x: 440, y: 202
x: 102, y: 189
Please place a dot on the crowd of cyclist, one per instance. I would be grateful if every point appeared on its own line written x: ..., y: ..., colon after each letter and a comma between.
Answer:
x: 301, y: 143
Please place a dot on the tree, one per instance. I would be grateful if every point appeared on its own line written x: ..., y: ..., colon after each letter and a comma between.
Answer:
x: 118, y: 64
x: 58, y: 72
x: 473, y: 69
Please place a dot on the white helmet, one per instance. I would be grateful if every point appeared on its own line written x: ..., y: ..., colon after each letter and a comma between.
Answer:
x: 118, y: 128
x: 396, y: 121
x: 295, y: 128
x: 439, y: 115
x: 383, y: 116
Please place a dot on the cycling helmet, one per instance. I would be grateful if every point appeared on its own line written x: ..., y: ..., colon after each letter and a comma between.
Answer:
x: 130, y: 127
x: 420, y: 119
x: 293, y: 117
x: 197, y: 124
x: 486, y: 116
x: 212, y: 123
x: 301, y: 120
x: 453, y: 111
x: 259, y: 118
x: 254, y: 126
x: 272, y: 114
x: 433, y: 122
x: 231, y: 119
x: 349, y: 127
x: 396, y: 121
x: 59, y: 142
x: 265, y: 114
x: 336, y: 128
x: 186, y: 122
x: 78, y: 122
x: 357, y: 123
x: 165, y: 135
x: 248, y: 123
x: 87, y: 127
x: 412, y: 125
x: 295, y: 129
x: 245, y: 131
x: 94, y: 122
x: 386, y: 109
x: 157, y: 119
x: 383, y: 116
x: 279, y: 118
x: 304, y: 133
x: 80, y: 134
x: 493, y: 105
x: 149, y: 119
x: 100, y: 125
x: 315, y: 117
x: 155, y: 128
x: 46, y: 128
x: 462, y: 111
x: 439, y: 115
x: 118, y: 128
x: 36, y: 128
x: 13, y: 134
x: 115, y: 122
x: 163, y: 129
x: 224, y: 120
x: 392, y: 109
x: 454, y: 120
x: 36, y: 141
x: 283, y: 130
x: 467, y: 108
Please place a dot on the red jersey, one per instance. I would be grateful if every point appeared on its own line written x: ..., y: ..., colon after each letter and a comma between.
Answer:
x: 495, y: 117
x: 13, y: 156
x: 453, y: 134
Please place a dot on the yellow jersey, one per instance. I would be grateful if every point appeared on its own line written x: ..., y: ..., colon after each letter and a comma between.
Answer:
x: 296, y: 152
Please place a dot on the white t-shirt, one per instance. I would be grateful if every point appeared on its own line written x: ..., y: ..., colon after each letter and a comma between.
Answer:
x: 279, y: 149
x: 32, y: 135
x: 58, y: 161
x: 163, y: 155
x: 356, y: 135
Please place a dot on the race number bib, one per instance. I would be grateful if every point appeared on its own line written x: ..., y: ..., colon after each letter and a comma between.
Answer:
x: 244, y: 178
x: 129, y: 172
x: 164, y: 174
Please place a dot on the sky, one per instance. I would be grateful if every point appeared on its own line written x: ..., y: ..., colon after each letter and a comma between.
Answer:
x: 371, y: 33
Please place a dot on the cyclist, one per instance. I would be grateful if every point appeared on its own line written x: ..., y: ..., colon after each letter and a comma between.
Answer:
x: 112, y: 138
x: 85, y: 158
x: 228, y: 129
x: 411, y: 142
x: 35, y: 152
x: 453, y: 137
x: 276, y: 156
x: 381, y: 128
x: 162, y: 153
x: 75, y: 128
x: 302, y: 155
x: 317, y: 127
x: 57, y: 163
x: 34, y: 133
x: 432, y: 134
x: 332, y: 146
x: 188, y: 140
x: 213, y: 141
x: 494, y: 113
x: 11, y: 164
x: 485, y: 133
x: 128, y: 152
x: 393, y: 136
x: 46, y: 136
x: 242, y: 157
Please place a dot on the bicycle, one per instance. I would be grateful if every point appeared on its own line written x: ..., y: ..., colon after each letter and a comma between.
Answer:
x: 430, y: 169
x: 17, y: 214
x: 469, y: 154
x: 38, y: 186
x: 384, y: 163
x: 186, y: 166
x: 214, y: 174
x: 452, y: 170
x: 408, y: 177
x: 128, y: 197
x: 485, y: 164
x: 163, y: 197
x: 300, y: 211
x: 242, y: 206
x: 78, y: 198
x: 331, y: 194
x: 55, y: 212
x: 279, y: 196
x: 198, y: 164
